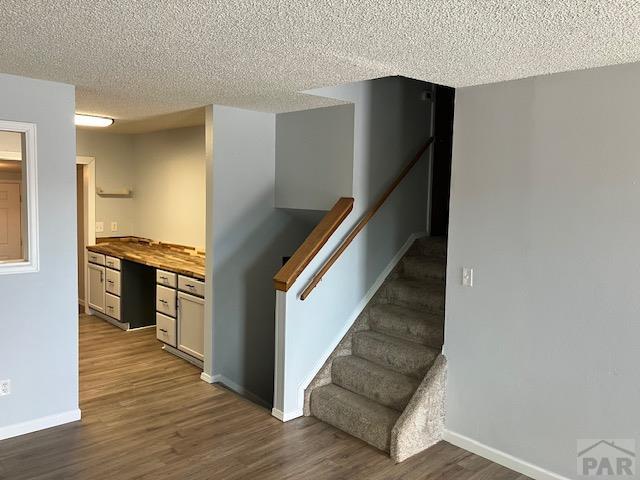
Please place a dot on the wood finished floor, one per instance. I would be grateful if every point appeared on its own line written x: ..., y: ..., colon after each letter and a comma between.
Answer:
x: 146, y: 415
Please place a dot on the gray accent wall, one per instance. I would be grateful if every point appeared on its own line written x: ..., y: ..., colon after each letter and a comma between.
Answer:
x: 38, y: 311
x: 314, y: 157
x: 545, y: 206
x: 250, y: 237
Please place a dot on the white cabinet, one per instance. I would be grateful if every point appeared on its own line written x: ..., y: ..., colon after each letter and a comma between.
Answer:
x: 168, y: 279
x: 166, y: 329
x: 166, y: 300
x: 95, y: 295
x: 113, y: 281
x: 191, y: 325
x: 112, y: 262
x: 112, y: 304
x: 96, y: 258
x: 191, y: 285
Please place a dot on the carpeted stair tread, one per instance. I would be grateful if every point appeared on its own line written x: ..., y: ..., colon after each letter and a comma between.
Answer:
x: 429, y: 246
x: 418, y: 294
x: 418, y: 267
x: 384, y: 386
x: 419, y: 326
x: 355, y: 414
x: 402, y: 356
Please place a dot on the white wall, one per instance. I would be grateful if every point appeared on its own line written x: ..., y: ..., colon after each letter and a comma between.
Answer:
x: 170, y: 186
x: 115, y: 170
x: 391, y: 123
x: 38, y: 312
x: 250, y: 237
x: 314, y: 157
x: 166, y: 171
x: 544, y: 349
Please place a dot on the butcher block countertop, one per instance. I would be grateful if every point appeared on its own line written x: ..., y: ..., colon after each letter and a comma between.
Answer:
x: 172, y: 258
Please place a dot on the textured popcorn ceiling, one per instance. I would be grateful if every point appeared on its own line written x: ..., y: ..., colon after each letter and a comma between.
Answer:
x: 134, y: 59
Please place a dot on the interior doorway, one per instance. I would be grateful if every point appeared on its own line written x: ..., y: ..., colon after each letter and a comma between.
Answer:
x: 85, y: 195
x: 442, y: 150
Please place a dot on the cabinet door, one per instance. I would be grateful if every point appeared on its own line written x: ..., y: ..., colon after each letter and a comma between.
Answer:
x: 95, y: 295
x: 191, y: 325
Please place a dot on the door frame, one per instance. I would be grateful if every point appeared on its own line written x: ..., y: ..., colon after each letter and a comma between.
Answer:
x: 89, y: 198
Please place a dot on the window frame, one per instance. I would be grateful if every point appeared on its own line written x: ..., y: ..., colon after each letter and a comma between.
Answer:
x: 30, y: 183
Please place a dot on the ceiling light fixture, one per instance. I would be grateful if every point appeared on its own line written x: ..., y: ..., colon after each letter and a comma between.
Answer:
x: 92, y: 121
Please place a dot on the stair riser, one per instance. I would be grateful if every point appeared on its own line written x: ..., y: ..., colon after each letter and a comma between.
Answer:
x: 417, y: 332
x: 406, y: 361
x: 391, y: 390
x: 416, y: 298
x: 428, y: 250
x: 374, y: 431
x: 412, y: 268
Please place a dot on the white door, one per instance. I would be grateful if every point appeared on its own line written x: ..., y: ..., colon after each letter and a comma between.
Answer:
x: 10, y: 222
x: 95, y: 284
x: 191, y: 325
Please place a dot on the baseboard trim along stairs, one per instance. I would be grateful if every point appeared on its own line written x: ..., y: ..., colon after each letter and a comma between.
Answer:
x: 385, y: 381
x: 500, y: 457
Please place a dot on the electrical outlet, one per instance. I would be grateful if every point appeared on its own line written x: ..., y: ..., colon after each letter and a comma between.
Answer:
x: 467, y: 277
x: 5, y: 387
x: 99, y: 227
x: 114, y: 226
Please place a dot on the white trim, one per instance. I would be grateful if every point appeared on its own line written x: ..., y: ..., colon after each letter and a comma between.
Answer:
x: 39, y: 424
x: 502, y: 458
x: 239, y: 389
x: 29, y: 157
x: 298, y: 411
x: 89, y: 198
x: 205, y: 377
x: 285, y: 417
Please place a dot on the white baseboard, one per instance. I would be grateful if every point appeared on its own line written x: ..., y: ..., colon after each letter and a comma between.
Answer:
x: 205, y: 377
x: 239, y: 389
x: 354, y: 316
x: 285, y: 417
x: 39, y: 424
x: 502, y: 458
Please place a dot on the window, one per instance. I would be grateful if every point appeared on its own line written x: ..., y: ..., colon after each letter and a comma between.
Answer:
x: 18, y: 198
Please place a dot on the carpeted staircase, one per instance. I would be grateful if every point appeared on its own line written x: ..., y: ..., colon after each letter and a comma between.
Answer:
x: 391, y: 351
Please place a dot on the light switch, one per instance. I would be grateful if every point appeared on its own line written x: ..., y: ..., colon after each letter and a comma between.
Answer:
x: 99, y: 227
x: 114, y: 226
x: 467, y: 277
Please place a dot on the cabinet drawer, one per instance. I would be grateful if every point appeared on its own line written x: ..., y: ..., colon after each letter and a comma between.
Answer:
x: 96, y: 258
x: 166, y: 300
x: 191, y: 285
x: 112, y: 304
x: 113, y: 282
x: 168, y: 279
x: 112, y: 262
x: 166, y: 329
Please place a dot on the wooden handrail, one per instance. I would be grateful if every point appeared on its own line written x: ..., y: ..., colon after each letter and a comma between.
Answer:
x: 363, y: 222
x: 290, y: 271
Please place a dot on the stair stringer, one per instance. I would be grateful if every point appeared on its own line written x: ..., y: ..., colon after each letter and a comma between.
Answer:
x: 421, y: 424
